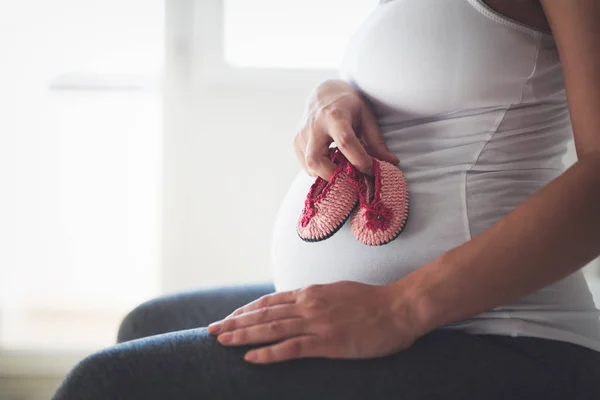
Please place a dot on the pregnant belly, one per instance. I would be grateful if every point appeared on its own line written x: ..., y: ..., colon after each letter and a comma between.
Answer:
x: 436, y: 223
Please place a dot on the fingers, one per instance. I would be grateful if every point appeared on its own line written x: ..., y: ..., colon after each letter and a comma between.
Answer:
x: 346, y: 140
x: 372, y: 136
x: 314, y: 160
x: 265, y: 333
x: 297, y: 347
x: 335, y: 122
x: 317, y: 156
x: 256, y: 317
x: 269, y: 300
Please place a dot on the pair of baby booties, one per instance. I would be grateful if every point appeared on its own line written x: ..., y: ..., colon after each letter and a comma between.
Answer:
x: 377, y: 206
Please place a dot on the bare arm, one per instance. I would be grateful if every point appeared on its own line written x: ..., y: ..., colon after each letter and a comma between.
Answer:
x: 550, y: 235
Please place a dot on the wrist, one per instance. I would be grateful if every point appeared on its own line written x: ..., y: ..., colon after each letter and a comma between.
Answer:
x: 411, y: 299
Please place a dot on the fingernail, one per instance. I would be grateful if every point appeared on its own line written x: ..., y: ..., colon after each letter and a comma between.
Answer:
x: 250, y: 356
x: 225, y: 337
x: 215, y: 327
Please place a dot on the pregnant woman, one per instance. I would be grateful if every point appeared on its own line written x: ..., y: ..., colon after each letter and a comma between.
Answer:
x: 481, y: 296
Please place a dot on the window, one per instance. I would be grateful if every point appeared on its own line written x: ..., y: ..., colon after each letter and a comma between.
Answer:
x: 234, y: 46
x: 80, y: 154
x: 309, y: 34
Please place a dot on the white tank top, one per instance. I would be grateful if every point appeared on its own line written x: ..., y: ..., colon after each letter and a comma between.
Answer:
x: 474, y: 106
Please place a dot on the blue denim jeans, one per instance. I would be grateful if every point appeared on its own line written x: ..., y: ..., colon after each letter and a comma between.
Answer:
x: 166, y: 353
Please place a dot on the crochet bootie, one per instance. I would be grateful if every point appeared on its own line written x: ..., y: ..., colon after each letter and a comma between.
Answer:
x: 329, y: 203
x: 383, y: 209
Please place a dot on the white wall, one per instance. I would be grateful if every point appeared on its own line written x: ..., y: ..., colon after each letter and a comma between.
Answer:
x: 240, y: 162
x: 228, y: 157
x: 228, y: 160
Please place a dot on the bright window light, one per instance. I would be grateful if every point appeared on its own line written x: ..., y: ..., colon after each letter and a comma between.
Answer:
x: 80, y: 169
x: 279, y: 34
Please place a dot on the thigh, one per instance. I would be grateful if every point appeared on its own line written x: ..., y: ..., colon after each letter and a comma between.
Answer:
x: 193, y: 365
x: 187, y: 310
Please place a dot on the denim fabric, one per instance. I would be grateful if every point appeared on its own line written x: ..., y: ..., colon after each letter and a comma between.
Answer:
x: 166, y: 354
x: 188, y: 310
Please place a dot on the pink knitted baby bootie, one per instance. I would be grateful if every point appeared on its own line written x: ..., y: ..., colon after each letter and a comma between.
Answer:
x: 328, y: 203
x: 383, y: 207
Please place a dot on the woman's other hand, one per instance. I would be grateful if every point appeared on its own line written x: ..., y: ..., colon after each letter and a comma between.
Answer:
x: 345, y: 319
x: 336, y: 113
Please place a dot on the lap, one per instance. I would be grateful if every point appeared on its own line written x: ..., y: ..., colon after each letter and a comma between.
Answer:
x: 445, y: 364
x: 167, y: 354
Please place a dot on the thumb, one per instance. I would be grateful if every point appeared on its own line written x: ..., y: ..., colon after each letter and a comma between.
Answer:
x: 371, y: 134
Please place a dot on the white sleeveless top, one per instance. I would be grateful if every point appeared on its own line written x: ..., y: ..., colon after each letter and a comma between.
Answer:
x: 474, y: 106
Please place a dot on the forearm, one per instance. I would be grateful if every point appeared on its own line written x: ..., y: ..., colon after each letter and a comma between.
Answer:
x: 549, y: 236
